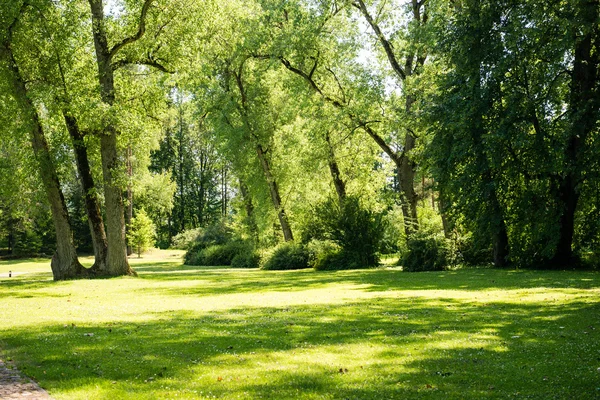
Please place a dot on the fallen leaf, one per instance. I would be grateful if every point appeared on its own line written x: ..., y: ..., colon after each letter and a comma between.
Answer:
x: 219, y: 379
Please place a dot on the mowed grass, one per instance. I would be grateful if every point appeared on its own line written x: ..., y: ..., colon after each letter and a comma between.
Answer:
x: 179, y: 332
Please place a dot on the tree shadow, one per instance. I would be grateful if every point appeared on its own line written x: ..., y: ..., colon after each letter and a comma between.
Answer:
x: 379, y: 348
x: 227, y: 281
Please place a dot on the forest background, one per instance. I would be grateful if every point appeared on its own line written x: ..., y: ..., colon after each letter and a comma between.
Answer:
x: 446, y: 132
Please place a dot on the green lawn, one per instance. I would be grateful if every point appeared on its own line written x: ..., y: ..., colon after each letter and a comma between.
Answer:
x: 192, y: 332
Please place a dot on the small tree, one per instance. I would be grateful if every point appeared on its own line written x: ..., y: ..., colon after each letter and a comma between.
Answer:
x: 141, y: 232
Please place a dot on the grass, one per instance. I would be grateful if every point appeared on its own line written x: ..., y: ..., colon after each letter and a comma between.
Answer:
x: 197, y: 332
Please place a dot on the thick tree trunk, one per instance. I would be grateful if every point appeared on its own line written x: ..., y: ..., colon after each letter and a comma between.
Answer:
x: 275, y: 197
x: 406, y: 178
x: 583, y: 107
x: 500, y: 235
x: 111, y: 164
x: 338, y: 182
x: 92, y: 203
x: 64, y: 264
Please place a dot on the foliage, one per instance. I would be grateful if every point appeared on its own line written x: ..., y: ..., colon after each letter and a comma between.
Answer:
x: 224, y: 254
x: 141, y: 232
x: 185, y: 239
x: 287, y: 256
x: 246, y: 259
x: 358, y: 231
x: 425, y: 252
x: 514, y: 121
x: 216, y: 234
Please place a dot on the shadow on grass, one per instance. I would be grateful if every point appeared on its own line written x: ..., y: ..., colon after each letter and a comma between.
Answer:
x: 224, y: 280
x: 373, y: 349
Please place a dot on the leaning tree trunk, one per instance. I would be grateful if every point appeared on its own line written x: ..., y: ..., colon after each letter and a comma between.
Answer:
x: 92, y: 203
x: 111, y: 163
x: 64, y: 264
x: 275, y: 197
x: 334, y: 169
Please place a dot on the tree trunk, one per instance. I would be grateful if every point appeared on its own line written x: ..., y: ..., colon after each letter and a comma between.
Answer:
x: 275, y: 197
x: 129, y: 208
x: 250, y: 221
x: 64, y: 264
x: 92, y: 204
x: 406, y: 177
x: 583, y: 108
x: 338, y: 182
x: 500, y: 235
x: 447, y: 226
x: 111, y: 164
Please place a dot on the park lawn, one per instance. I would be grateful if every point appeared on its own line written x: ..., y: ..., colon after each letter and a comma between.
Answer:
x: 193, y: 332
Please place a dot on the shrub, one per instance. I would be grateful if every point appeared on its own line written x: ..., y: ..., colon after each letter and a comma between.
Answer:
x: 185, y: 239
x: 325, y: 255
x: 287, y: 256
x: 218, y: 234
x: 246, y: 260
x: 220, y: 254
x: 425, y: 252
x: 357, y: 231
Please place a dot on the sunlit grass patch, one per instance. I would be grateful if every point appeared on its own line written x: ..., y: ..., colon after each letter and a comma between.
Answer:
x: 197, y: 332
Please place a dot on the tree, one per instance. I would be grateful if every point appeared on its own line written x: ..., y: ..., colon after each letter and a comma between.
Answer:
x: 518, y: 111
x: 141, y: 233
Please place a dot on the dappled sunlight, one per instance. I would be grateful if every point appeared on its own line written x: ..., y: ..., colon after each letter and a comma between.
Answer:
x: 378, y: 334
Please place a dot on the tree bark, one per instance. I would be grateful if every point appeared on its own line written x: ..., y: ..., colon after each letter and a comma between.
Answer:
x: 583, y: 108
x: 64, y: 264
x: 111, y: 164
x: 275, y: 197
x: 338, y: 182
x: 129, y: 208
x: 250, y: 221
x: 500, y: 235
x: 92, y: 203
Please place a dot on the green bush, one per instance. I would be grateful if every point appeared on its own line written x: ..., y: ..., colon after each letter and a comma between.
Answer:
x: 325, y: 255
x: 248, y: 259
x: 186, y: 239
x: 220, y: 254
x: 425, y: 252
x: 218, y: 234
x: 287, y: 256
x: 357, y: 231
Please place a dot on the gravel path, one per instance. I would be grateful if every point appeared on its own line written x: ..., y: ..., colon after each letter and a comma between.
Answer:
x: 13, y: 385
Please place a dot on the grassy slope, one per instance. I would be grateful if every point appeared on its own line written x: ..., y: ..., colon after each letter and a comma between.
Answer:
x: 181, y: 332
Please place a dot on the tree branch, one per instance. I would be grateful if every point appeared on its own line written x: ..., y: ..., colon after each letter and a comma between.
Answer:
x: 387, y: 46
x: 150, y: 62
x: 139, y: 33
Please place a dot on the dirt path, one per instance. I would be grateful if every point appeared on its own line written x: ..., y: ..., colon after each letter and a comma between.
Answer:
x: 13, y: 385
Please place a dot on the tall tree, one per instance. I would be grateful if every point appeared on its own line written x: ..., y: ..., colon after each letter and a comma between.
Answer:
x: 64, y: 264
x: 111, y: 162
